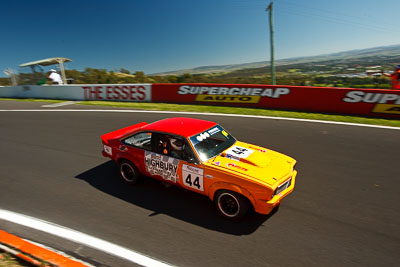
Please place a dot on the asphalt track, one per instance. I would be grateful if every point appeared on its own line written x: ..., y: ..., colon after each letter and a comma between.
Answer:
x: 344, y: 210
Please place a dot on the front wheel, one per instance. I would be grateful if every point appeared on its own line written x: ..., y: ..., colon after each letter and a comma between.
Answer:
x: 231, y: 205
x: 129, y: 172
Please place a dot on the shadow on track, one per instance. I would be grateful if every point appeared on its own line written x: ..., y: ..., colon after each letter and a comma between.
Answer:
x: 172, y: 201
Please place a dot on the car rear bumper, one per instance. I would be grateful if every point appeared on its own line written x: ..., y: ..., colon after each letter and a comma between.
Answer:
x: 105, y: 154
x: 265, y: 207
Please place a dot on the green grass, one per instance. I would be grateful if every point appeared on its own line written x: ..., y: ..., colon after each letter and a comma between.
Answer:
x: 8, y: 260
x: 246, y: 111
x: 33, y: 100
x: 233, y: 110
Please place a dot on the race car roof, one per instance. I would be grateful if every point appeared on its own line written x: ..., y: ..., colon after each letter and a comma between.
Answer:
x: 186, y: 127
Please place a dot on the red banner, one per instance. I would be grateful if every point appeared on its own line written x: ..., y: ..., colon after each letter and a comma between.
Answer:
x: 369, y: 102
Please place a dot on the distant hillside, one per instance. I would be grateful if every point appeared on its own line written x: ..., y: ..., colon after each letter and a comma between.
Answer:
x: 380, y: 52
x: 215, y: 69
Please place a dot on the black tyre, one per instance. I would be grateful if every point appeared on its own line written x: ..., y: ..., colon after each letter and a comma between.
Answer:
x: 231, y: 205
x: 129, y: 172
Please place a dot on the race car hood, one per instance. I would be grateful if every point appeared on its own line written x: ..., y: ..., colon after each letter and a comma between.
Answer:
x: 256, y: 162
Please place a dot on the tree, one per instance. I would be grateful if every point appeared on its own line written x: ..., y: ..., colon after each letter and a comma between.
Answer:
x: 5, y: 81
x: 125, y: 71
x: 186, y: 77
x: 140, y: 77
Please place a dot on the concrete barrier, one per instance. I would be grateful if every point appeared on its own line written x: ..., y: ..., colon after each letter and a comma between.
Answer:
x: 114, y: 92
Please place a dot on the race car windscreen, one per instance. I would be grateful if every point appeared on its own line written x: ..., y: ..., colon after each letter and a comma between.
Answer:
x: 212, y: 142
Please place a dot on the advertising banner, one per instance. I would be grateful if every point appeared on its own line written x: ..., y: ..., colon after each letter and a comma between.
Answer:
x: 365, y: 102
x: 100, y: 92
x: 370, y: 102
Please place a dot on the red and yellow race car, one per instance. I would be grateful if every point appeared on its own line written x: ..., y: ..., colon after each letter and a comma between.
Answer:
x: 203, y: 157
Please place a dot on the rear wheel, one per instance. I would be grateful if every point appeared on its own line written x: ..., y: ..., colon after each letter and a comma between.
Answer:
x: 231, y: 205
x: 129, y: 172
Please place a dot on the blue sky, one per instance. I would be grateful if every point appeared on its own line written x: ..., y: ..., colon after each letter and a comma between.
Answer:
x: 158, y: 35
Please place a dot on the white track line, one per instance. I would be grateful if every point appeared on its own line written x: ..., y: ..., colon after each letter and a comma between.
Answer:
x: 200, y: 113
x: 81, y: 238
x: 55, y: 105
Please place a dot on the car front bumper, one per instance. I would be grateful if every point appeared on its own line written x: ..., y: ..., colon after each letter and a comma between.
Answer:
x: 265, y: 207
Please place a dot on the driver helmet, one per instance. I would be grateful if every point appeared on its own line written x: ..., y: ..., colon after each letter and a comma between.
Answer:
x: 177, y: 144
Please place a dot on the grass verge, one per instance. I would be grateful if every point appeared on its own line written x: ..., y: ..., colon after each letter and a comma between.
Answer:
x: 8, y: 260
x: 246, y: 111
x: 232, y: 110
x: 33, y: 100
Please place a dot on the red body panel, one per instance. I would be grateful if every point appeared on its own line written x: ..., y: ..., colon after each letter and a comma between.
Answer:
x: 134, y: 155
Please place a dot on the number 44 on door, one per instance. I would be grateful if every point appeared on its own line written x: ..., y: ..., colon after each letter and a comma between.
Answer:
x: 192, y: 177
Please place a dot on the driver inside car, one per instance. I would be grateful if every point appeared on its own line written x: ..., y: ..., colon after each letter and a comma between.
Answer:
x: 177, y: 148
